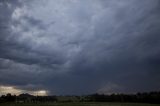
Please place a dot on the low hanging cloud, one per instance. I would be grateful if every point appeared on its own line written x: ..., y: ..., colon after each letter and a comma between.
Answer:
x: 110, y: 88
x: 80, y: 45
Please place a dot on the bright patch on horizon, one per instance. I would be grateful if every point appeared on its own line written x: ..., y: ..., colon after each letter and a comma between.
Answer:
x: 41, y: 93
x: 9, y: 89
x: 15, y: 91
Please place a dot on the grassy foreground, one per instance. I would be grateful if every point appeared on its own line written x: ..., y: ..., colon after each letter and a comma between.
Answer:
x: 79, y: 104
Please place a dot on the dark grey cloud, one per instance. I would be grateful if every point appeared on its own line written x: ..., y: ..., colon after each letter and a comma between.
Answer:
x: 80, y: 47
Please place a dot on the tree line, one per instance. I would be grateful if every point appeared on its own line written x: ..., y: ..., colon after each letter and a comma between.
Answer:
x: 151, y: 97
x: 26, y: 98
x: 146, y: 97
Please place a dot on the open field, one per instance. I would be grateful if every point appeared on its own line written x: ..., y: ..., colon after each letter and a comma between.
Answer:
x: 80, y: 104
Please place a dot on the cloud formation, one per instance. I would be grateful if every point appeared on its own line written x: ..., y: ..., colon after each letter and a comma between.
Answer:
x: 80, y: 46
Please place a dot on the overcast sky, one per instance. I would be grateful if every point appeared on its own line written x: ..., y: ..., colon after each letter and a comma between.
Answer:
x: 80, y: 46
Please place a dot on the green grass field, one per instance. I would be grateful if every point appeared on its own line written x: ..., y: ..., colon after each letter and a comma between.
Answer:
x: 79, y: 104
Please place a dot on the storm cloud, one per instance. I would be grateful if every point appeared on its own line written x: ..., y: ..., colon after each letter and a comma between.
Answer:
x: 80, y: 46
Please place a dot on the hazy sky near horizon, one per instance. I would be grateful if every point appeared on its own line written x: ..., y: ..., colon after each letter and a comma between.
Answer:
x: 80, y: 46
